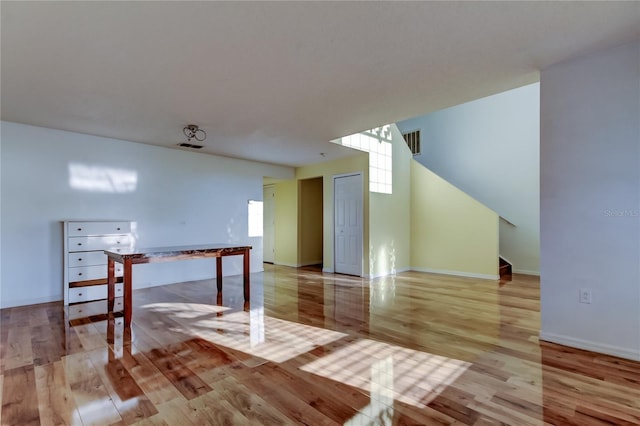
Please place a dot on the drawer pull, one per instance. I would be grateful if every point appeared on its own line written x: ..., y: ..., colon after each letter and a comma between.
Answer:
x: 79, y: 244
x: 117, y: 229
x: 79, y: 259
x: 79, y: 273
x: 79, y: 294
x: 79, y: 229
x: 117, y: 242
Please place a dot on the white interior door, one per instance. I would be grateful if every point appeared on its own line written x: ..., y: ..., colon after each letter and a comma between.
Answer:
x: 268, y: 228
x: 348, y: 224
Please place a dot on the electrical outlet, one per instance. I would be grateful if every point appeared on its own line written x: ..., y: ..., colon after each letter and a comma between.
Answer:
x: 585, y: 295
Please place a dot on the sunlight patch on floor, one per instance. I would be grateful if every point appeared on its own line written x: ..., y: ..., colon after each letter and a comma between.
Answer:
x: 389, y: 372
x: 250, y: 332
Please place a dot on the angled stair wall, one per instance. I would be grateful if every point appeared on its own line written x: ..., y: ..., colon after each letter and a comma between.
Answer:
x: 451, y: 232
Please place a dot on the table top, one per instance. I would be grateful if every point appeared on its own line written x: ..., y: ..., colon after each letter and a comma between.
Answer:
x: 202, y: 250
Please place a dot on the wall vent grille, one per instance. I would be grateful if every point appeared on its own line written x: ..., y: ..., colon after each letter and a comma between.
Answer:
x: 413, y: 141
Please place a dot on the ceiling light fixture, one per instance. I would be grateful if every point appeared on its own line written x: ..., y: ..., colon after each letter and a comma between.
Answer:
x: 194, y: 132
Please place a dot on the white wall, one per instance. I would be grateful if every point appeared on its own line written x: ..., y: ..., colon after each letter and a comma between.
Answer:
x: 489, y: 148
x: 390, y: 215
x: 590, y: 201
x: 175, y: 197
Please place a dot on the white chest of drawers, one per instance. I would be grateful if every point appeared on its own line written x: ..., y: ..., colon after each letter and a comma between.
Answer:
x: 85, y: 264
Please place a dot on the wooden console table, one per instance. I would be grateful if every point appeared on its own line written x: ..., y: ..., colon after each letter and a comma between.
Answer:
x: 129, y: 257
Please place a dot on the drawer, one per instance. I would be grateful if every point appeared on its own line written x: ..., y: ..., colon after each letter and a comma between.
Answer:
x: 85, y: 273
x: 96, y: 292
x: 98, y: 243
x: 84, y: 310
x: 87, y: 258
x: 79, y: 229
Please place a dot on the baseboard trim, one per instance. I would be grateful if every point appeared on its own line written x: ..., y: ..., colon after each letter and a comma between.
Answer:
x: 388, y: 273
x: 590, y: 346
x: 327, y: 270
x: 291, y: 265
x: 457, y: 273
x: 312, y: 262
x: 299, y: 265
x: 526, y: 272
x: 31, y: 301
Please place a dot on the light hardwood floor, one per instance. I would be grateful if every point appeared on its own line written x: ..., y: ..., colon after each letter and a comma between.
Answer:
x: 314, y: 349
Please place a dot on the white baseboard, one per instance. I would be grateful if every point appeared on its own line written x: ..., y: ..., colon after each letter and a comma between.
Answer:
x: 311, y: 262
x: 457, y: 273
x: 387, y: 273
x: 30, y: 301
x: 328, y: 270
x: 299, y: 265
x: 588, y: 345
x: 526, y: 272
x: 291, y: 265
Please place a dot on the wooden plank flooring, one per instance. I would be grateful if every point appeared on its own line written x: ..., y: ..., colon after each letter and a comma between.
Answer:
x: 314, y: 349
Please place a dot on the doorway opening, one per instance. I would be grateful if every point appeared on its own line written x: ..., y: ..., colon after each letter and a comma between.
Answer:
x: 310, y: 225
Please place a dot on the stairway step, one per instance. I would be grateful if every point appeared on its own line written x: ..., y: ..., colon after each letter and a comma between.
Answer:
x: 505, y: 269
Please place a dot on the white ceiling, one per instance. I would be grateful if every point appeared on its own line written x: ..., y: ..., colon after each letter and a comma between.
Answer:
x: 276, y: 81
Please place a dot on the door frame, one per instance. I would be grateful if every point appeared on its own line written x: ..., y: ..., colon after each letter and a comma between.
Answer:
x: 333, y: 218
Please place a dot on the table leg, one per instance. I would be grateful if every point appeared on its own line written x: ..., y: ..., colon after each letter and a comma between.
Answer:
x: 111, y: 283
x: 219, y: 273
x: 247, y: 286
x: 128, y: 307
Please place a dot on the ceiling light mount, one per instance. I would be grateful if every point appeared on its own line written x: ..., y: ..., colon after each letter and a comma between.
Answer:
x: 194, y: 132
